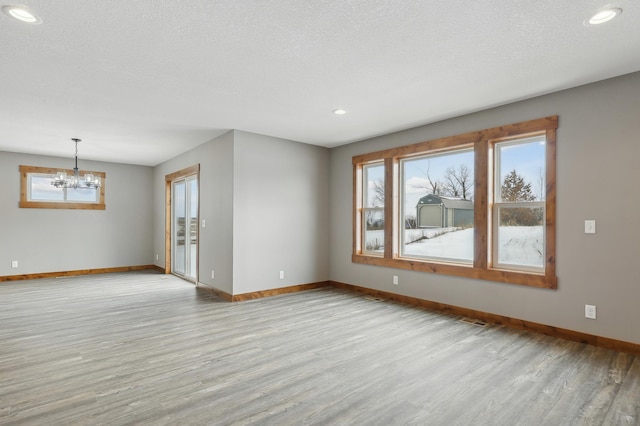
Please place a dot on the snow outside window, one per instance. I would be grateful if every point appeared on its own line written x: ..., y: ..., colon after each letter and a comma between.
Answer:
x: 479, y: 205
x: 519, y: 207
x: 437, y: 206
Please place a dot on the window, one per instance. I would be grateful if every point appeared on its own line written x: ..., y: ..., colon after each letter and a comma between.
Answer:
x: 36, y: 191
x: 437, y: 206
x: 478, y: 205
x: 518, y: 209
x: 373, y: 209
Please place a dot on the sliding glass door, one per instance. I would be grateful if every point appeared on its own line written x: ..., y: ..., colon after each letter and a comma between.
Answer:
x: 184, y: 220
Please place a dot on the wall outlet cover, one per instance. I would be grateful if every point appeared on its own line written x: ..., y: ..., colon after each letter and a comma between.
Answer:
x: 590, y: 226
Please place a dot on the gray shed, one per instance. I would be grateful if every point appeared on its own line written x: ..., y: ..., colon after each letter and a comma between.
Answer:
x: 437, y: 211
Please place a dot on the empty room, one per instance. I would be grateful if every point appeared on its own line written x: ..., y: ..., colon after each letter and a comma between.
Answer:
x: 328, y: 213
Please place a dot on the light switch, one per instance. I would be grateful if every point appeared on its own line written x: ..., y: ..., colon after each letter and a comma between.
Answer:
x: 589, y: 226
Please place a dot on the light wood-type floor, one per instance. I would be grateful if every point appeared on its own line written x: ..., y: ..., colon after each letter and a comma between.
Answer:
x: 146, y: 348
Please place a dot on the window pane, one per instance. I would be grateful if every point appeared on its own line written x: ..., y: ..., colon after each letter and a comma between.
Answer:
x: 82, y: 195
x: 374, y: 230
x: 521, y: 236
x: 373, y: 211
x: 373, y: 185
x: 437, y: 206
x: 521, y: 170
x: 42, y: 190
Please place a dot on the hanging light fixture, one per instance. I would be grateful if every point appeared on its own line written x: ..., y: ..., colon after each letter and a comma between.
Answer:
x: 61, y: 180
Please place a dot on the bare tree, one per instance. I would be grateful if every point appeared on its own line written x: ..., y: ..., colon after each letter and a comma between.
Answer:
x: 459, y: 182
x: 377, y: 200
x: 378, y: 193
x: 435, y: 186
x: 540, y: 184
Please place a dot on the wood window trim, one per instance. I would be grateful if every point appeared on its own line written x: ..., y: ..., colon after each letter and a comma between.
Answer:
x: 24, y: 200
x: 483, y: 142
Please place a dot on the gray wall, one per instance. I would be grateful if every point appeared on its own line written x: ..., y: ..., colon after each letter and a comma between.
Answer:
x: 281, y: 213
x: 216, y: 208
x: 598, y: 152
x: 248, y: 179
x: 265, y: 202
x: 52, y: 240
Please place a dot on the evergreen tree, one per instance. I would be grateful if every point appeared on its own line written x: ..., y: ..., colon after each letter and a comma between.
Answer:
x: 514, y: 188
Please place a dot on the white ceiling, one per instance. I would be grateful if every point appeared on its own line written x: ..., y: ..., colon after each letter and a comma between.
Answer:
x: 143, y: 81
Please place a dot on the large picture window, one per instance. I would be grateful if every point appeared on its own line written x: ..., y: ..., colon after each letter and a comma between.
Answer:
x: 478, y: 205
x: 36, y: 191
x: 437, y: 206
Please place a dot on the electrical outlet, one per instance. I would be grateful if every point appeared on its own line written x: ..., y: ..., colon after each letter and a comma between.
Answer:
x: 395, y: 280
x: 156, y: 256
x: 213, y: 274
x: 589, y: 226
x: 204, y: 223
x: 590, y: 311
x: 14, y: 263
x: 282, y: 275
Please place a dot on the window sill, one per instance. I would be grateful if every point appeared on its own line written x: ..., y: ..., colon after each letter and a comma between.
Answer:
x: 497, y: 275
x: 60, y: 205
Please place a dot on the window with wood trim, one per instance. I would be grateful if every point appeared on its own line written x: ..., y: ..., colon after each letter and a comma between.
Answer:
x: 373, y: 209
x: 36, y: 191
x: 478, y: 205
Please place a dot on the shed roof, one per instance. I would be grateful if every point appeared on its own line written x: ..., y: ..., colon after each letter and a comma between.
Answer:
x: 448, y: 202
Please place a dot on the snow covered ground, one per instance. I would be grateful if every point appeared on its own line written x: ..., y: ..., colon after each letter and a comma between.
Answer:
x: 518, y: 245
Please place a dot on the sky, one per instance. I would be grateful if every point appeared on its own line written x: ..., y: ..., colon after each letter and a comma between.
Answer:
x: 41, y: 189
x: 528, y: 159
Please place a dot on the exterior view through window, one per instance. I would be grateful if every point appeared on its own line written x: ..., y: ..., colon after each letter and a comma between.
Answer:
x: 478, y: 205
x: 373, y: 210
x: 519, y: 207
x: 437, y: 203
x: 40, y: 189
x: 36, y: 191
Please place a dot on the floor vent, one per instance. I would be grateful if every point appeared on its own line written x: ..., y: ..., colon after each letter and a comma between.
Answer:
x: 474, y: 322
x: 374, y: 299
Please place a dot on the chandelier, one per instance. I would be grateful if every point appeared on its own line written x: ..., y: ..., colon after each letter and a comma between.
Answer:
x: 61, y: 180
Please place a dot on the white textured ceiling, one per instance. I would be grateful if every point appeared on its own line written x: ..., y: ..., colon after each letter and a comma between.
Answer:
x: 143, y: 81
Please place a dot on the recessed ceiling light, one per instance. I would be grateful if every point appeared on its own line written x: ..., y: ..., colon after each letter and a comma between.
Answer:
x: 22, y: 13
x: 605, y: 15
x: 339, y: 111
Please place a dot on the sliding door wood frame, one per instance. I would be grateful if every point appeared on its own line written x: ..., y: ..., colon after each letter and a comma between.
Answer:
x: 168, y: 180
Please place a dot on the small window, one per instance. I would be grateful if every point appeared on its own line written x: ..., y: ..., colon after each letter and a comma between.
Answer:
x: 373, y: 208
x: 36, y: 191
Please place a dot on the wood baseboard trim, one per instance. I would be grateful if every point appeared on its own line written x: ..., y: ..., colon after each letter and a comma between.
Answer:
x: 548, y: 330
x: 277, y: 291
x: 221, y: 294
x: 78, y: 272
x: 264, y: 293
